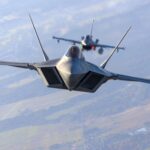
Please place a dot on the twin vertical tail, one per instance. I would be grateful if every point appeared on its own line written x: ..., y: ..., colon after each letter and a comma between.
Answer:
x: 103, y: 65
x: 43, y: 51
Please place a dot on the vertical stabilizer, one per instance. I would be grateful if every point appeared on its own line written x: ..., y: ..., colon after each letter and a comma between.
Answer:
x: 103, y: 65
x: 44, y: 53
x: 91, y: 33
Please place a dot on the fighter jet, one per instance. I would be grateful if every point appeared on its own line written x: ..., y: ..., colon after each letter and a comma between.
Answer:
x: 88, y: 43
x: 72, y: 72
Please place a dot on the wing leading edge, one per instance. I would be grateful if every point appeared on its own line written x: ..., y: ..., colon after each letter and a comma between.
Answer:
x: 68, y: 40
x: 108, y: 46
x: 129, y: 78
x: 18, y: 64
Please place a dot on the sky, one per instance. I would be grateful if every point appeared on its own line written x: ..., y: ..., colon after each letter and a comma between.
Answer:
x: 27, y: 105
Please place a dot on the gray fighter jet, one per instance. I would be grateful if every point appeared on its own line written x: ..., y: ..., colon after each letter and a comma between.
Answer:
x: 88, y: 43
x: 72, y: 71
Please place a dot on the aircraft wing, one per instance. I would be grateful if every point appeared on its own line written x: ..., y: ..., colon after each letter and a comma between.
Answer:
x: 17, y: 64
x: 108, y: 46
x: 129, y: 78
x: 68, y: 40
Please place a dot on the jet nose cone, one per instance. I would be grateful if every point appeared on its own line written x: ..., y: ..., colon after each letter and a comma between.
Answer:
x: 72, y: 72
x: 71, y: 79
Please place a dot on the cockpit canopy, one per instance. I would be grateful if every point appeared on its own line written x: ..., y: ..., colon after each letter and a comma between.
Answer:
x: 74, y: 52
x: 88, y: 37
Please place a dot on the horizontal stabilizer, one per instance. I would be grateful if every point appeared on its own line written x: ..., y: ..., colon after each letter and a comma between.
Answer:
x: 44, y: 53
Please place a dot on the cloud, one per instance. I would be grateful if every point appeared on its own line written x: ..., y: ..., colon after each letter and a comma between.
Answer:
x: 98, y: 11
x: 101, y: 6
x: 108, y: 9
x: 82, y: 15
x: 70, y: 17
x: 8, y: 76
x: 64, y: 31
x: 22, y: 82
x: 9, y: 17
x: 111, y: 6
x: 13, y: 32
